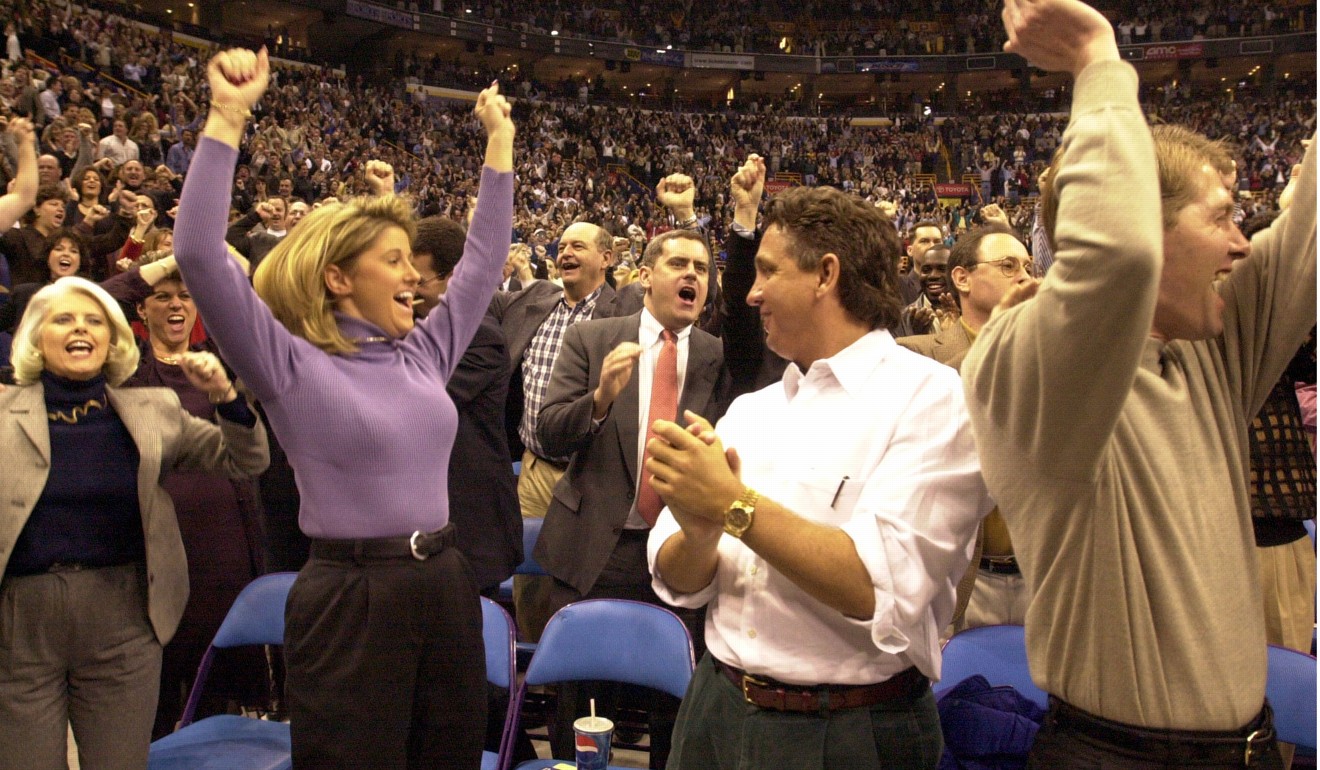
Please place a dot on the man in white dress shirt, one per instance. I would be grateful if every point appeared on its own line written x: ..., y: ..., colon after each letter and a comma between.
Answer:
x: 117, y: 146
x: 850, y: 493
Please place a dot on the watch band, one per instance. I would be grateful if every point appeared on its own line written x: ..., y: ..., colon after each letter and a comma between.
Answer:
x: 739, y: 515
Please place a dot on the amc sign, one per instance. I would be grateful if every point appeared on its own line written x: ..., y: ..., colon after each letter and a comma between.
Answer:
x: 1171, y: 51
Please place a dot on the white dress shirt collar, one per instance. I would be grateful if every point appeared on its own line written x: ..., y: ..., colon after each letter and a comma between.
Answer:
x: 850, y: 367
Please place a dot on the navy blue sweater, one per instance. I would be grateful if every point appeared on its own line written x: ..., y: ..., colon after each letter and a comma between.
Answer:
x: 88, y: 513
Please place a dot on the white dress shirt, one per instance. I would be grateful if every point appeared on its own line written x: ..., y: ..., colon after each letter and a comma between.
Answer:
x: 118, y: 150
x: 876, y: 441
x: 648, y: 336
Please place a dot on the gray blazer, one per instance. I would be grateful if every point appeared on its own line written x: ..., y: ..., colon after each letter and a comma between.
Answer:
x: 591, y: 502
x: 167, y: 438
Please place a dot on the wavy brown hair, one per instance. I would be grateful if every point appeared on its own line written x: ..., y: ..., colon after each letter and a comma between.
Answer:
x: 822, y: 220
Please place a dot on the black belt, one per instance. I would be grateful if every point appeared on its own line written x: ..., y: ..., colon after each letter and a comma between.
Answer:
x: 1001, y: 565
x: 419, y: 545
x: 1174, y: 747
x: 561, y: 467
x: 768, y: 693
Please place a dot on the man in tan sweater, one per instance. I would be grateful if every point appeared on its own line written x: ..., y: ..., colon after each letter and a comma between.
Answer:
x: 1127, y: 385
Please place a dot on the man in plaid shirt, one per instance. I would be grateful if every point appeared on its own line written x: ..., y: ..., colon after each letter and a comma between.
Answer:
x: 534, y: 320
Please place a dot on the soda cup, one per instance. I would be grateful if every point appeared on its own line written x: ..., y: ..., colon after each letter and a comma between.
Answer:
x: 591, y: 738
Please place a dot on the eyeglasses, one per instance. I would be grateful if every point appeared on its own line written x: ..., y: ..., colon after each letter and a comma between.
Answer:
x: 1008, y: 266
x: 425, y: 281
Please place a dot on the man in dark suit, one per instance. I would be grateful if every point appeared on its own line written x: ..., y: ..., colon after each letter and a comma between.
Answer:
x: 483, y: 496
x: 608, y: 386
x: 534, y: 321
x: 483, y: 492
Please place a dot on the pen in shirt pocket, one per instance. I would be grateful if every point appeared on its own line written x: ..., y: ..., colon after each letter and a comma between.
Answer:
x: 838, y: 491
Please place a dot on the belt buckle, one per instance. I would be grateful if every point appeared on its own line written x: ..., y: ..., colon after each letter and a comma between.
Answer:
x: 418, y: 555
x: 1251, y: 749
x: 748, y: 678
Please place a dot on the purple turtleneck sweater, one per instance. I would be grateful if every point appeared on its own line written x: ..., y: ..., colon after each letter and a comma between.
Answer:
x: 368, y: 434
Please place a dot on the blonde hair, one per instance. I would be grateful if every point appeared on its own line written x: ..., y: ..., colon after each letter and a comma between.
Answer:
x: 26, y: 357
x: 291, y: 279
x: 153, y: 238
x: 144, y: 124
x: 1180, y: 155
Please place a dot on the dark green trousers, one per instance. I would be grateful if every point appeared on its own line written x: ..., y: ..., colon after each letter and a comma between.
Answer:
x: 718, y: 730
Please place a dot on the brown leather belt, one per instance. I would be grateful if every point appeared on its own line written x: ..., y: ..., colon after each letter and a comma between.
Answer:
x: 418, y: 545
x: 767, y: 693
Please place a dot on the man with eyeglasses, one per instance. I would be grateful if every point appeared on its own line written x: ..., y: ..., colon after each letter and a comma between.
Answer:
x: 984, y: 264
x: 486, y: 514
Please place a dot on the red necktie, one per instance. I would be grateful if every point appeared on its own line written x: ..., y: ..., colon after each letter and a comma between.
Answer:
x: 664, y: 406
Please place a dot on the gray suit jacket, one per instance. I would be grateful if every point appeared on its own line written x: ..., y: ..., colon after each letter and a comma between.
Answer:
x: 520, y: 314
x: 167, y: 438
x: 591, y: 502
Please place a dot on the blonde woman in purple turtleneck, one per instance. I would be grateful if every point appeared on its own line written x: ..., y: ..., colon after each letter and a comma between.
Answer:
x: 383, y: 634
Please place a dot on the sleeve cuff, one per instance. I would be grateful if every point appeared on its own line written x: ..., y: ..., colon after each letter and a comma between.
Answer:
x: 237, y: 412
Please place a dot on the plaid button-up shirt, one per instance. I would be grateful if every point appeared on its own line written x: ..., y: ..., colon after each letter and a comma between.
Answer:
x: 539, y: 362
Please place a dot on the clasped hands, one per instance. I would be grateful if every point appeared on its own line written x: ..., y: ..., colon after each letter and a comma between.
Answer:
x: 693, y: 473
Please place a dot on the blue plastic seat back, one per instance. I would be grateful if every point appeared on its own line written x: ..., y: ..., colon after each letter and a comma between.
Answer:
x: 615, y: 640
x: 498, y: 632
x: 1291, y: 691
x: 225, y: 741
x: 257, y: 615
x: 531, y: 531
x: 998, y: 653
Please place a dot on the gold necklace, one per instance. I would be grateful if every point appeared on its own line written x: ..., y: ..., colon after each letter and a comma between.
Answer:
x: 171, y: 360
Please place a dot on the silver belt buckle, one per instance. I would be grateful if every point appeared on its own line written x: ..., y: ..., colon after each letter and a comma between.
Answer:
x: 412, y: 545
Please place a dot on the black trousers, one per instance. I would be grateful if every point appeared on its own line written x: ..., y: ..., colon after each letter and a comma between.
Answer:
x: 386, y: 665
x: 626, y: 576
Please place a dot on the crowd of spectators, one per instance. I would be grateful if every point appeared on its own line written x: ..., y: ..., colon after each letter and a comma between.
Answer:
x: 118, y: 107
x: 862, y: 27
x: 127, y: 90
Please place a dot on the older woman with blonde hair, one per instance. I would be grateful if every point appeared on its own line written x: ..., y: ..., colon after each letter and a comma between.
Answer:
x: 383, y: 626
x: 94, y: 575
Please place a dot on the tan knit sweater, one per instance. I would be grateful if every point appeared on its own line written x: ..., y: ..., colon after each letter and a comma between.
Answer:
x: 1120, y: 461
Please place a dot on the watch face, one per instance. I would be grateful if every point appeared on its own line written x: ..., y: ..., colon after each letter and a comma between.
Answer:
x: 737, y: 520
